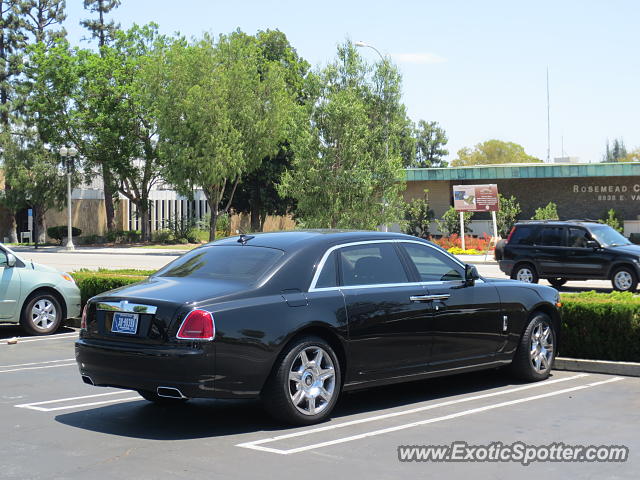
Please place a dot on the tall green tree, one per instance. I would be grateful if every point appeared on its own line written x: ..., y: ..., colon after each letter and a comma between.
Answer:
x: 493, y: 152
x: 100, y: 28
x: 257, y: 193
x: 431, y: 140
x: 221, y: 110
x: 43, y: 20
x: 347, y: 170
x: 12, y: 43
x: 616, y: 152
x: 507, y: 216
x: 103, y: 30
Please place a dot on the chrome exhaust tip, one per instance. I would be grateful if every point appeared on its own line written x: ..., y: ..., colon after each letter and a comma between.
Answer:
x: 169, y: 392
x: 87, y: 379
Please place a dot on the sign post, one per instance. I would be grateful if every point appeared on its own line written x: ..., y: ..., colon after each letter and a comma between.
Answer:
x: 476, y: 198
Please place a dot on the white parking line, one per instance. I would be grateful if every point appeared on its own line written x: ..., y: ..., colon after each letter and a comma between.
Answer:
x: 257, y: 444
x: 67, y: 362
x: 60, y: 336
x: 36, y: 405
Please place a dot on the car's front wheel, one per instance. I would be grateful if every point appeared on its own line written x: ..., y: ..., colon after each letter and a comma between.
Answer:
x: 624, y: 280
x: 537, y: 350
x: 41, y: 314
x: 306, y: 383
x: 525, y: 272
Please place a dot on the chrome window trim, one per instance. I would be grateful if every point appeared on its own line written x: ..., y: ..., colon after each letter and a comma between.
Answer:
x: 125, y: 306
x: 312, y: 287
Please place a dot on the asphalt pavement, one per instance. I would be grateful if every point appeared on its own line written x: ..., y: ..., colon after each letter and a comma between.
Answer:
x: 56, y: 427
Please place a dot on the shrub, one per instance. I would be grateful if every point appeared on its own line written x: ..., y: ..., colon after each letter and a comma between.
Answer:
x: 162, y: 236
x: 612, y: 218
x: 480, y: 244
x: 450, y: 222
x: 94, y: 283
x: 550, y: 212
x: 59, y: 232
x: 460, y: 251
x: 417, y: 216
x: 507, y: 216
x: 601, y: 326
x: 114, y: 236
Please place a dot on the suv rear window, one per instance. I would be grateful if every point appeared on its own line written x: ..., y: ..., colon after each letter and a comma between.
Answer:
x: 524, y: 235
x: 243, y: 263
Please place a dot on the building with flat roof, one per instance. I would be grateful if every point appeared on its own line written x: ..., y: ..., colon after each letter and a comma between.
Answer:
x: 586, y: 190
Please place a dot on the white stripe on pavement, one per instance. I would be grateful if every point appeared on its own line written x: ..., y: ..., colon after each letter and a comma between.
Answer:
x: 37, y: 405
x: 258, y: 444
x: 36, y: 363
x: 38, y: 368
x: 61, y: 336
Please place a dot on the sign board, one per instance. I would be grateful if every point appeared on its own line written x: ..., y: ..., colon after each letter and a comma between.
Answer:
x: 476, y: 198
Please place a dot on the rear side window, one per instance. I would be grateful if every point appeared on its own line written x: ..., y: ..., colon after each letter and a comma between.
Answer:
x: 371, y: 264
x: 328, y: 276
x: 523, y: 235
x: 552, y: 237
x: 243, y: 263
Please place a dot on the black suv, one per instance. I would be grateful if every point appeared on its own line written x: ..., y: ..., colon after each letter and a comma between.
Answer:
x: 569, y: 250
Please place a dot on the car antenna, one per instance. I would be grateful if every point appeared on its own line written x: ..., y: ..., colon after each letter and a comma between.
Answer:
x: 244, y: 238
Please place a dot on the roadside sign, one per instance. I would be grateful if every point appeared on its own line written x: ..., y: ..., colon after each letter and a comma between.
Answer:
x: 476, y: 198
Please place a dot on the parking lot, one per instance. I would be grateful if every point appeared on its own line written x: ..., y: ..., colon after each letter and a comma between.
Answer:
x: 57, y: 427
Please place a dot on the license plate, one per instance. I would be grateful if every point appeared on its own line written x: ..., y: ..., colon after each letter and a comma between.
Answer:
x: 125, y: 323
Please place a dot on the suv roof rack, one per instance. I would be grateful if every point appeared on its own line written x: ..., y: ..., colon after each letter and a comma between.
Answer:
x: 575, y: 220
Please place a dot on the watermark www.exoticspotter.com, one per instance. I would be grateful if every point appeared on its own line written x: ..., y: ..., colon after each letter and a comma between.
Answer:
x: 518, y: 452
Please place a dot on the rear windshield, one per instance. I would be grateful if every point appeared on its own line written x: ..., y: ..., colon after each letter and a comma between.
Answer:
x: 242, y: 263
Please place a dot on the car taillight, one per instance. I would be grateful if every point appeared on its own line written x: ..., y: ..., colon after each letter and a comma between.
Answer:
x: 83, y: 321
x: 197, y: 325
x: 513, y: 229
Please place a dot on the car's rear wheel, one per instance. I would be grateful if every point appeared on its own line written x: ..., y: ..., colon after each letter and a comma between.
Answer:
x: 557, y: 282
x: 525, y: 272
x: 41, y: 314
x: 624, y: 280
x: 537, y: 349
x: 157, y: 399
x: 306, y: 383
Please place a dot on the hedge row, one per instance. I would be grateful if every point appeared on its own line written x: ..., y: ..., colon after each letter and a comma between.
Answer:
x: 599, y: 326
x: 594, y: 325
x: 94, y: 283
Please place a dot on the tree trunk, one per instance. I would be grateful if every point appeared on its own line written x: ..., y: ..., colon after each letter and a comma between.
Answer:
x: 256, y: 209
x: 143, y: 212
x: 13, y: 231
x: 108, y: 198
x: 213, y: 222
x: 40, y: 225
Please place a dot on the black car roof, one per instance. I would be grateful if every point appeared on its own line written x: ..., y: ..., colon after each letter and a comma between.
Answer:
x: 559, y: 222
x: 295, y: 239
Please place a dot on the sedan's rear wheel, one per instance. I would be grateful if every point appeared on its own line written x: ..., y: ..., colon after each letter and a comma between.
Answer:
x: 535, y: 355
x: 41, y: 314
x: 525, y: 272
x: 624, y: 280
x: 306, y: 383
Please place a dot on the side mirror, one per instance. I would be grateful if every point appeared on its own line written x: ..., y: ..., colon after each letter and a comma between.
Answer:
x: 470, y: 275
x: 592, y: 244
x: 11, y: 260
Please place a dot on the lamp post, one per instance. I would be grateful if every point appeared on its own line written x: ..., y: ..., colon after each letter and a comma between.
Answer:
x: 362, y: 44
x: 67, y: 155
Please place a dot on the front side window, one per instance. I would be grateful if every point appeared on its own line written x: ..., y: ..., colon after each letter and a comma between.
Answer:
x: 433, y: 265
x: 371, y: 264
x: 578, y: 237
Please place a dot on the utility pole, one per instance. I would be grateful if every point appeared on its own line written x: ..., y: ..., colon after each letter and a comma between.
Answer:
x: 548, y: 122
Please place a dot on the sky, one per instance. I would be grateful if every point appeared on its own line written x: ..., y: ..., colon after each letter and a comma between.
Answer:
x: 478, y: 68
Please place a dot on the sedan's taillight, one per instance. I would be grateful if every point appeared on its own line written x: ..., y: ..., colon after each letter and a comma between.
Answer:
x: 83, y: 321
x: 197, y: 325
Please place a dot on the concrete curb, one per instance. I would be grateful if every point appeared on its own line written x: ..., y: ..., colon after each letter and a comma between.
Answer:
x: 629, y: 369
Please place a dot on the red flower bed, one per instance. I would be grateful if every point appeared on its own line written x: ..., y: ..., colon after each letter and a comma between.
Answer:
x: 477, y: 243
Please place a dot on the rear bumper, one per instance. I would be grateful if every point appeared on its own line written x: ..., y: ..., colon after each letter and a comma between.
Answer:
x: 189, y: 368
x: 506, y: 266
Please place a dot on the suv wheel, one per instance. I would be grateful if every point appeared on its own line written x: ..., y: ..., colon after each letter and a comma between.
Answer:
x: 557, y: 282
x: 525, y: 272
x: 624, y: 280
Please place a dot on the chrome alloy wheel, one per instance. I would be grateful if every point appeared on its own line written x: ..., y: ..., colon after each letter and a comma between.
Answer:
x: 43, y: 313
x: 541, y: 352
x: 623, y: 280
x: 525, y: 275
x: 312, y: 380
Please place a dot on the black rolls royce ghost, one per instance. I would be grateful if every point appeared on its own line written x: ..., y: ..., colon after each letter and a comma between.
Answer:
x: 298, y: 317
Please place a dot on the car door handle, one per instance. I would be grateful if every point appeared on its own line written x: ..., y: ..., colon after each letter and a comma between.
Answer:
x: 428, y: 298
